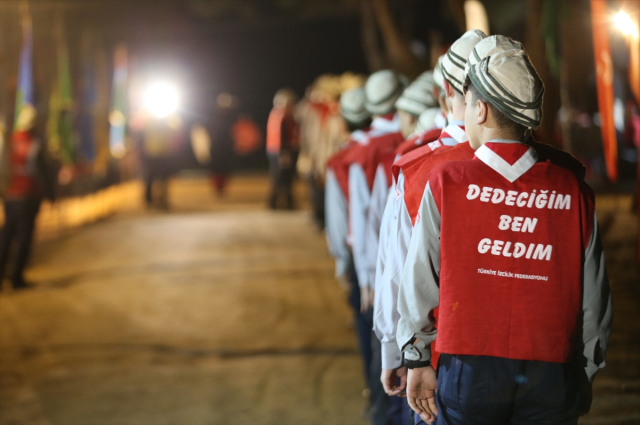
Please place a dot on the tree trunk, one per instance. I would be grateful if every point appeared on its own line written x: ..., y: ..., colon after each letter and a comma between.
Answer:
x: 370, y: 42
x: 457, y: 10
x: 535, y: 46
x: 399, y: 53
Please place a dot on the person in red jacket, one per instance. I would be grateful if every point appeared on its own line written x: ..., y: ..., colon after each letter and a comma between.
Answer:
x: 282, y: 148
x: 507, y: 248
x: 28, y: 184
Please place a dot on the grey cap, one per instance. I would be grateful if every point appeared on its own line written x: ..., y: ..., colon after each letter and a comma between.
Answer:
x: 418, y: 97
x: 509, y: 82
x: 438, y: 78
x: 352, y: 106
x: 427, y: 120
x: 382, y: 89
x: 456, y: 58
x: 489, y: 46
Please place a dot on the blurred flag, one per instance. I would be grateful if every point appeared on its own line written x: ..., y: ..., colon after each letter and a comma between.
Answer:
x: 60, y: 125
x: 102, y: 111
x: 633, y: 10
x: 86, y: 146
x: 118, y: 112
x: 24, y: 93
x: 604, y: 79
x: 553, y: 12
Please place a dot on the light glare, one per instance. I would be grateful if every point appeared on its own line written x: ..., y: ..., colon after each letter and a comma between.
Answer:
x: 625, y: 24
x: 161, y: 99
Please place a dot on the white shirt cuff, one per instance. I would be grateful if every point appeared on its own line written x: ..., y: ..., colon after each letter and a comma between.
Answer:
x: 391, y: 355
x: 342, y: 267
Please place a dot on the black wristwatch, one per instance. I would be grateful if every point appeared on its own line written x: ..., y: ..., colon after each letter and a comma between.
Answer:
x: 414, y: 364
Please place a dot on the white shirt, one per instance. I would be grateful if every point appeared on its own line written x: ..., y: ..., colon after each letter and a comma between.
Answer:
x: 395, y: 235
x: 336, y: 229
x: 379, y: 194
x: 359, y: 202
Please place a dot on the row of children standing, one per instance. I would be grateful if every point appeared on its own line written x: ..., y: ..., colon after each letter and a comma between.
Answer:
x: 424, y: 209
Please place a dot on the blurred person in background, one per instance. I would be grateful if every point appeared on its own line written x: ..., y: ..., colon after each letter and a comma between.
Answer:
x: 322, y: 132
x: 282, y: 149
x: 30, y: 180
x: 161, y: 138
x: 222, y: 143
x: 247, y: 137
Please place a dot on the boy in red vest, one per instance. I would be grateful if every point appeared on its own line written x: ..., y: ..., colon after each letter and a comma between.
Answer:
x: 416, y: 99
x: 395, y: 230
x: 507, y: 247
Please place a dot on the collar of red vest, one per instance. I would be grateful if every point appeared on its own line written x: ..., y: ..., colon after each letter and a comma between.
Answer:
x: 508, y: 158
x: 454, y: 132
x: 384, y: 125
x: 359, y: 136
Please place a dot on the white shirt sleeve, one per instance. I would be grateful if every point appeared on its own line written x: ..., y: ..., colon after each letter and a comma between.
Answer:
x: 395, y: 233
x: 419, y: 291
x: 336, y: 223
x: 359, y: 199
x: 374, y: 219
x: 596, y: 305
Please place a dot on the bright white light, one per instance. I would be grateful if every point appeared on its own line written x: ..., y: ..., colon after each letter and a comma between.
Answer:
x: 625, y: 24
x: 161, y: 99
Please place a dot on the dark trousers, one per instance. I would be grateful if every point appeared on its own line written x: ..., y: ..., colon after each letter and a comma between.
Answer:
x: 485, y: 390
x: 316, y: 195
x: 20, y: 218
x: 281, y: 181
x: 371, y: 353
x: 156, y: 172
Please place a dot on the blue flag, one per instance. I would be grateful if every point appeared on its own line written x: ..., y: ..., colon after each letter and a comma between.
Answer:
x: 89, y: 99
x: 24, y: 93
x: 118, y: 113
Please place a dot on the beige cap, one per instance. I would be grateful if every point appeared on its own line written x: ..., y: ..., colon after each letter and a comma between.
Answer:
x: 456, y: 58
x: 382, y: 90
x: 438, y: 78
x: 427, y: 120
x: 509, y: 82
x: 489, y: 46
x: 352, y: 106
x: 418, y: 97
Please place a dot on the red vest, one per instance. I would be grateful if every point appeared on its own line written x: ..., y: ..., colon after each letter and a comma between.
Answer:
x: 369, y: 155
x: 278, y: 123
x: 416, y: 177
x: 417, y: 140
x: 510, y: 262
x: 23, y: 182
x: 335, y: 163
x: 386, y: 160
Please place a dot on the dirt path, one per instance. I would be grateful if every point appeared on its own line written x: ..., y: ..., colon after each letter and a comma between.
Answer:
x: 182, y: 318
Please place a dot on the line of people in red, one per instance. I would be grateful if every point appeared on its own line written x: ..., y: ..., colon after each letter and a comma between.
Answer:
x: 440, y: 340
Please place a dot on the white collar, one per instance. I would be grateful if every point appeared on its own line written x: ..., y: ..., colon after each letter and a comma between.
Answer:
x: 359, y: 136
x: 456, y: 133
x: 382, y: 125
x: 502, y: 167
